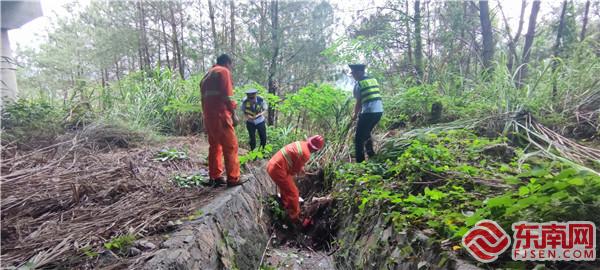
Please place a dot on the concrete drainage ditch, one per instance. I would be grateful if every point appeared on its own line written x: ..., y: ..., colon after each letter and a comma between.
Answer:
x: 233, y: 233
x: 235, y: 229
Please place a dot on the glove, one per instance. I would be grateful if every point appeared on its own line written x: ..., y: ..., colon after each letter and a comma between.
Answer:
x: 307, y: 222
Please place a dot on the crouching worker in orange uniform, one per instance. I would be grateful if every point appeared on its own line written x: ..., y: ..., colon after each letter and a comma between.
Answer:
x: 288, y: 162
x: 218, y: 107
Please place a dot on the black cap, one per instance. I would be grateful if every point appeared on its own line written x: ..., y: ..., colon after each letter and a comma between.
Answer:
x: 251, y: 91
x: 357, y: 67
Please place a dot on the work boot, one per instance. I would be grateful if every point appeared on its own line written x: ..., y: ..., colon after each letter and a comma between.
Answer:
x: 217, y: 182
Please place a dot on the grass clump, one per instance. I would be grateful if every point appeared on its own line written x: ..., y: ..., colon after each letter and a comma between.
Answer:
x: 120, y: 243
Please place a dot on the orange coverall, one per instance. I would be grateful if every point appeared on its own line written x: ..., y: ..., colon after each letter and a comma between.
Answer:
x: 216, y: 89
x: 286, y: 163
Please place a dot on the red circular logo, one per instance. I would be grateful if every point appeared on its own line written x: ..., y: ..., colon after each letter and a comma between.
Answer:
x: 486, y: 241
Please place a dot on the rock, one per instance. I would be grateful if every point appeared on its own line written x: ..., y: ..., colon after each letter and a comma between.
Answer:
x: 133, y: 251
x: 429, y: 232
x: 387, y: 233
x: 144, y: 245
x: 502, y: 151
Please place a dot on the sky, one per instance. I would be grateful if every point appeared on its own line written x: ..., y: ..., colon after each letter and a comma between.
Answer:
x: 33, y: 33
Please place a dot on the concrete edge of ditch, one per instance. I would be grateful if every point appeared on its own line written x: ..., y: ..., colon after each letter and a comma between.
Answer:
x: 231, y: 233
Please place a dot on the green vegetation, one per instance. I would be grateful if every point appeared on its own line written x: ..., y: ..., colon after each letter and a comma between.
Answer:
x: 188, y: 181
x: 87, y: 251
x: 171, y: 154
x: 120, y: 243
x: 445, y: 182
x: 196, y: 215
x: 258, y: 153
x: 108, y: 76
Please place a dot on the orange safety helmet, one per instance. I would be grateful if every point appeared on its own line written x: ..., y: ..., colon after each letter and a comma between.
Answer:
x: 315, y: 143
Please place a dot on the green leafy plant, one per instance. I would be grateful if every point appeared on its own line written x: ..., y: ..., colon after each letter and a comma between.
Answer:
x: 187, y: 181
x: 87, y: 251
x: 258, y: 153
x: 120, y: 243
x: 440, y: 181
x: 32, y: 120
x: 170, y: 154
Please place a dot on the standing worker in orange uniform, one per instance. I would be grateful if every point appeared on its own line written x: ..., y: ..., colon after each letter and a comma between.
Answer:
x: 218, y: 106
x: 288, y: 162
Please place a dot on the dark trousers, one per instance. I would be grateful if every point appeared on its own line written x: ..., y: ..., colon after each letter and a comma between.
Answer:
x: 362, y: 138
x: 262, y: 133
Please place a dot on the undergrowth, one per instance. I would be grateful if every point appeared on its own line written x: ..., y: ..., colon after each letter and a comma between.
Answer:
x: 444, y: 183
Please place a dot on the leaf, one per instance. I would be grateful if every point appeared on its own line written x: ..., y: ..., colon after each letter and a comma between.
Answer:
x: 540, y: 172
x: 577, y: 181
x: 511, y: 180
x: 523, y: 191
x: 434, y: 194
x: 560, y: 195
x: 566, y: 173
x: 505, y: 200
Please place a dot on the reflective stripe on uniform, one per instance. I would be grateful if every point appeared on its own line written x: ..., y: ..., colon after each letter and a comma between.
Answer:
x: 369, y: 90
x: 257, y: 109
x: 288, y: 159
x: 211, y: 93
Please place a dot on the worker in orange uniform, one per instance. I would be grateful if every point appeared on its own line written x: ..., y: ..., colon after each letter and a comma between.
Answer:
x: 288, y: 162
x: 218, y: 107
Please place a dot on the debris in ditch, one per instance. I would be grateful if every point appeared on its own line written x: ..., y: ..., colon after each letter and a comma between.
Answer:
x: 313, y: 240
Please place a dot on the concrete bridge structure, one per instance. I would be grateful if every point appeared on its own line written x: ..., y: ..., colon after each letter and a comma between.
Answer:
x: 14, y: 15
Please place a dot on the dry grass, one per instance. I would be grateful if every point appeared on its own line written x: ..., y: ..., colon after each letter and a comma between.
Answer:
x: 61, y: 198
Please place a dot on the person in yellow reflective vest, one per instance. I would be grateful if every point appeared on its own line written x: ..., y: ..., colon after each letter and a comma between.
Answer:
x: 254, y: 108
x: 368, y: 110
x: 288, y: 162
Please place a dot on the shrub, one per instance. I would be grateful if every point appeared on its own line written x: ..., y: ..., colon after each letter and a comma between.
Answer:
x: 28, y: 121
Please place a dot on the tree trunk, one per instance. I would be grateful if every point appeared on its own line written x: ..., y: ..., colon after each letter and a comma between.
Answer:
x: 182, y: 43
x: 175, y: 40
x: 159, y: 58
x: 164, y: 34
x: 585, y: 20
x: 263, y: 23
x: 512, y: 41
x: 144, y: 37
x: 408, y: 30
x: 486, y: 34
x: 211, y: 15
x: 464, y: 57
x: 418, y: 42
x: 232, y: 30
x: 117, y: 70
x: 427, y: 74
x: 556, y: 49
x: 522, y: 75
x: 103, y: 79
x: 201, y: 30
x: 273, y: 87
